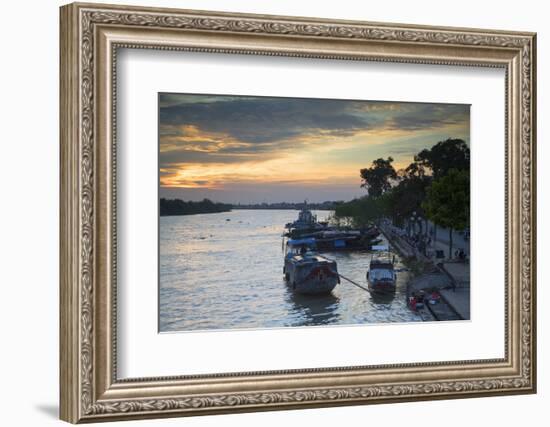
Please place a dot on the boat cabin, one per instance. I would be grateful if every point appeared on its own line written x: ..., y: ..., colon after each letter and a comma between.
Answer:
x: 299, y: 246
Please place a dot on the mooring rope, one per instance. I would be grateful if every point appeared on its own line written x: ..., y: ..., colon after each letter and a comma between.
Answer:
x: 347, y: 278
x: 354, y: 283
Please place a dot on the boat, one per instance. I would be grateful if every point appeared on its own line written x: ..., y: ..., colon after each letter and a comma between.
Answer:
x: 346, y: 240
x: 306, y: 271
x: 305, y: 224
x: 381, y: 275
x: 328, y: 238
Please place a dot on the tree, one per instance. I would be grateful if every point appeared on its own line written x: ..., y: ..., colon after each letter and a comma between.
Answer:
x: 407, y: 197
x: 362, y: 212
x: 448, y: 202
x: 377, y: 178
x: 443, y: 156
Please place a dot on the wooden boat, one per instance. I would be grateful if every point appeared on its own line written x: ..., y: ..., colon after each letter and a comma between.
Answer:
x: 306, y: 271
x: 381, y: 275
x: 305, y: 224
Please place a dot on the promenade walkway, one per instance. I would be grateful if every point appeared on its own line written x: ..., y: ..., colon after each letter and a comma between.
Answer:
x: 460, y: 272
x: 459, y: 300
x: 455, y: 289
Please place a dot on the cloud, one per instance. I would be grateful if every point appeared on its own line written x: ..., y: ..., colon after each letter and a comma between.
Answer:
x: 174, y: 99
x: 429, y: 116
x: 260, y: 120
x: 209, y: 141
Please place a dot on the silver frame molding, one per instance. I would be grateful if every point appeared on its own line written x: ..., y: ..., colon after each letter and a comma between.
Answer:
x: 90, y: 37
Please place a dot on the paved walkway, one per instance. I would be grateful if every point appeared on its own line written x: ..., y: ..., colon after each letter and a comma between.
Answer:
x: 442, y: 240
x: 457, y: 296
x: 444, y: 246
x: 460, y: 272
x: 401, y: 243
x: 459, y: 299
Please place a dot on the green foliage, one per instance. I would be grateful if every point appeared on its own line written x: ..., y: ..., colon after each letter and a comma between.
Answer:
x: 448, y: 200
x: 407, y: 197
x: 362, y: 211
x: 435, y: 186
x: 377, y: 178
x: 444, y: 156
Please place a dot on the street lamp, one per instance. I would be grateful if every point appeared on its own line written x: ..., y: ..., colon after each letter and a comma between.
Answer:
x: 413, y: 220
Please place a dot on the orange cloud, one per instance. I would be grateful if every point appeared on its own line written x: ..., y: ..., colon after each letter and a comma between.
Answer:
x: 313, y: 159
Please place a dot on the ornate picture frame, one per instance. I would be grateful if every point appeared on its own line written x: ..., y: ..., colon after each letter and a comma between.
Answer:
x: 90, y: 37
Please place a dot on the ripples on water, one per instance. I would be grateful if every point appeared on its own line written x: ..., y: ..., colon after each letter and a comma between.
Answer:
x: 225, y: 271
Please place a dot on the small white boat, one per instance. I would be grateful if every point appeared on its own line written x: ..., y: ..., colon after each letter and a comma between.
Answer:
x: 306, y: 271
x: 381, y: 275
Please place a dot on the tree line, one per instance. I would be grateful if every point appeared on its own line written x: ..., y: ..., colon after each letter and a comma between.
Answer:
x: 327, y: 205
x: 435, y: 187
x: 179, y: 207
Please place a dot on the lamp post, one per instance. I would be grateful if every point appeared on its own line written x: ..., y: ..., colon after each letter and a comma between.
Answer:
x: 413, y: 220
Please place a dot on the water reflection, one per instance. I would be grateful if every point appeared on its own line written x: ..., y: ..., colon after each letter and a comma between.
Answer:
x: 218, y: 274
x: 314, y: 309
x: 382, y: 298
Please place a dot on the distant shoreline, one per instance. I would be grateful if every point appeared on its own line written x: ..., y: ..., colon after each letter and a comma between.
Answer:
x: 194, y: 213
x: 178, y: 207
x: 242, y: 208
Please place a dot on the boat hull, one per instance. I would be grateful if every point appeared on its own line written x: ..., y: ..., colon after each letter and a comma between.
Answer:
x: 312, y: 279
x: 382, y: 286
x: 314, y: 286
x: 385, y: 288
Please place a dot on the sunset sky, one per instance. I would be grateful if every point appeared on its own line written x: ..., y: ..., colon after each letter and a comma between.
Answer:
x: 263, y: 149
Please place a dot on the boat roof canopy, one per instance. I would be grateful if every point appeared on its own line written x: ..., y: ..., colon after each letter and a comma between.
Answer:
x: 301, y: 242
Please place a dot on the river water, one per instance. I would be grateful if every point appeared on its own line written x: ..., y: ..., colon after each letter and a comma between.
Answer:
x: 225, y: 271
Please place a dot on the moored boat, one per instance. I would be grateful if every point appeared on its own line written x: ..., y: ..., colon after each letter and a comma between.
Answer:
x: 345, y: 240
x: 305, y: 224
x: 306, y: 271
x: 381, y: 275
x: 330, y: 238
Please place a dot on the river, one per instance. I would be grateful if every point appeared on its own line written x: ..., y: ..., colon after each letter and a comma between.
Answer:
x: 225, y: 271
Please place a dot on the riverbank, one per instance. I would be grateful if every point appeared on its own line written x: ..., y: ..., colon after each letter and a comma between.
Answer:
x: 449, y: 281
